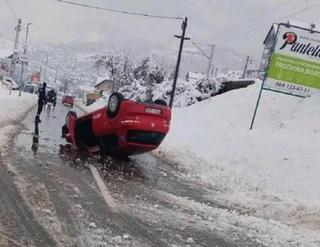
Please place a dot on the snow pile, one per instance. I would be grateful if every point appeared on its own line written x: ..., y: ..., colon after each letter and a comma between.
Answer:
x: 277, y: 162
x: 13, y: 108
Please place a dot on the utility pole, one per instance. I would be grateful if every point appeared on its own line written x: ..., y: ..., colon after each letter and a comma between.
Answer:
x: 26, y: 40
x: 45, y: 69
x: 24, y: 52
x: 245, y: 67
x: 66, y: 82
x: 15, y: 56
x: 210, y: 63
x: 40, y: 73
x: 16, y: 41
x: 55, y: 77
x: 176, y: 74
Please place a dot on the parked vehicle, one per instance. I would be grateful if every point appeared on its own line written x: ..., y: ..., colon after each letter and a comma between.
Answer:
x: 51, y: 97
x: 124, y: 127
x: 68, y: 100
x: 30, y: 88
x: 9, y: 83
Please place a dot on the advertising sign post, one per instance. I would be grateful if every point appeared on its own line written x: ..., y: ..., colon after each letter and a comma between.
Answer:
x: 294, y: 66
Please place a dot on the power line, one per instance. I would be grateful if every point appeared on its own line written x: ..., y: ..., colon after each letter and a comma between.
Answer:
x: 11, y: 9
x: 4, y: 37
x: 254, y: 18
x: 120, y: 11
x: 198, y: 47
x: 266, y: 24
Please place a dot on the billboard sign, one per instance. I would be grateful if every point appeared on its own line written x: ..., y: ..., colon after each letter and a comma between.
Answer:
x: 35, y: 78
x: 295, y: 63
x: 5, y: 66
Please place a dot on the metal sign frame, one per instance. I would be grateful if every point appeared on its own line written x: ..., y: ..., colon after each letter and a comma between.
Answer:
x: 268, y: 66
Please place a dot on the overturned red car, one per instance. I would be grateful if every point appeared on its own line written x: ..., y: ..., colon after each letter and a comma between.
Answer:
x: 122, y: 128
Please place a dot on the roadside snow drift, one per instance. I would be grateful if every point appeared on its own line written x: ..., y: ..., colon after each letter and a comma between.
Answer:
x: 280, y: 156
x: 12, y: 109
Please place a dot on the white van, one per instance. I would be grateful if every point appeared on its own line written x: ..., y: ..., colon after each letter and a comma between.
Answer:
x: 9, y: 83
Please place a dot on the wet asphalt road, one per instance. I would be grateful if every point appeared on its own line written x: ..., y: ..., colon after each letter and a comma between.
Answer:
x: 50, y: 198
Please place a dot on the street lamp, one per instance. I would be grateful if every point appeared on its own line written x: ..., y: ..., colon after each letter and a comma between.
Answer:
x: 182, y: 39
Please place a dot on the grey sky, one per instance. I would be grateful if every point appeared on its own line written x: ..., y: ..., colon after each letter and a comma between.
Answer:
x: 226, y: 22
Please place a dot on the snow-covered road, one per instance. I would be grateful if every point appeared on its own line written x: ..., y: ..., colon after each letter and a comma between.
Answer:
x: 12, y: 109
x: 214, y: 188
x: 53, y: 185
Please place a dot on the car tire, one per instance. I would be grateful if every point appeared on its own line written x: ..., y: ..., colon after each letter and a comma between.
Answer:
x: 114, y: 104
x: 160, y: 102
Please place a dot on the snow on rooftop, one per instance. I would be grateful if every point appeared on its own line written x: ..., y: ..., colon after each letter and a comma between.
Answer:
x: 86, y: 88
x: 100, y: 79
x: 195, y: 76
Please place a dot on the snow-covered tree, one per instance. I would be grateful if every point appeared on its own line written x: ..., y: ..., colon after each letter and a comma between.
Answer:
x: 146, y: 81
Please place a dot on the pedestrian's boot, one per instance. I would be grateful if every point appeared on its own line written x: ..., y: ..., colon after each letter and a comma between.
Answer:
x: 37, y: 119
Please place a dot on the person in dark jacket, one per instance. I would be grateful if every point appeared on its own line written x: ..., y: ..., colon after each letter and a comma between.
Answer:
x: 41, y: 101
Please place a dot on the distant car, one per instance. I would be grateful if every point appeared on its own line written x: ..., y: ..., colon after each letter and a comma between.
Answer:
x: 51, y: 97
x: 10, y: 83
x: 122, y: 128
x: 30, y: 88
x: 68, y: 100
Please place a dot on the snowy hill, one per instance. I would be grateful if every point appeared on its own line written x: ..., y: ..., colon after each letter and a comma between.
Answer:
x: 272, y: 170
x: 282, y: 145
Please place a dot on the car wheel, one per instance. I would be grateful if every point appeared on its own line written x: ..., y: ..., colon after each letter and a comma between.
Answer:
x: 114, y: 104
x: 160, y: 102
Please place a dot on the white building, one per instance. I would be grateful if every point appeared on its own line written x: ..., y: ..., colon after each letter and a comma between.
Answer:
x: 195, y: 76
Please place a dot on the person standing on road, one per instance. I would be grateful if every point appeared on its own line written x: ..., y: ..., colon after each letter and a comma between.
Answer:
x: 41, y: 101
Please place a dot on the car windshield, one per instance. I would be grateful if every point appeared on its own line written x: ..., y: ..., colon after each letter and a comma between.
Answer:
x: 28, y: 88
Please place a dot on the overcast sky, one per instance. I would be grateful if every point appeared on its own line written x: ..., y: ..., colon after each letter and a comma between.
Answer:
x: 236, y: 24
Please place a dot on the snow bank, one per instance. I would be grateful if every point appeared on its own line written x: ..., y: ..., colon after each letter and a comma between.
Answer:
x: 12, y: 109
x: 279, y: 156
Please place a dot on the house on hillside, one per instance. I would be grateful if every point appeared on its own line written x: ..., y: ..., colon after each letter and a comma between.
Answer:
x: 271, y: 38
x: 104, y: 84
x: 5, y: 66
x: 195, y: 76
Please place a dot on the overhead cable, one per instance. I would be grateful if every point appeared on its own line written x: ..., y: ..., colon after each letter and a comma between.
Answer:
x: 11, y: 10
x: 120, y: 11
x: 198, y: 47
x: 266, y: 24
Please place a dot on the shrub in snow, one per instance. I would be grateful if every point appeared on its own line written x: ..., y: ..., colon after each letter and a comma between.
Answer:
x: 211, y: 87
x: 146, y: 81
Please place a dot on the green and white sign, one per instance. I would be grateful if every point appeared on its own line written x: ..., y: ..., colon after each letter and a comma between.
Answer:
x: 295, y: 64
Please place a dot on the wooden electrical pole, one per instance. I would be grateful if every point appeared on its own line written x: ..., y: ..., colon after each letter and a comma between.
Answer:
x: 245, y: 67
x: 210, y: 63
x: 176, y: 74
